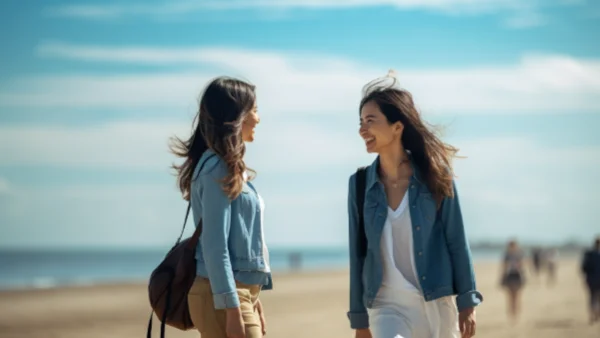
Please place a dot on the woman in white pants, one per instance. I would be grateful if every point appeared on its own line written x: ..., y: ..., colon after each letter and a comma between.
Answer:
x: 408, y: 249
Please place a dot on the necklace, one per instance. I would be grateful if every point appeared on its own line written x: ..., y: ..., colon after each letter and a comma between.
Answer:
x: 395, y: 183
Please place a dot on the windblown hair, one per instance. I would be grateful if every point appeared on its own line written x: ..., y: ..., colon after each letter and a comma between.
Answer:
x: 223, y: 107
x: 433, y: 158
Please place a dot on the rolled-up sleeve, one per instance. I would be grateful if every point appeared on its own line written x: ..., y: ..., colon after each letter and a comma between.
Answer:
x: 216, y: 219
x: 460, y: 253
x: 358, y: 316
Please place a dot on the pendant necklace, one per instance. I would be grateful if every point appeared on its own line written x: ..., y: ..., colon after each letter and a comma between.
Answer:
x: 395, y: 183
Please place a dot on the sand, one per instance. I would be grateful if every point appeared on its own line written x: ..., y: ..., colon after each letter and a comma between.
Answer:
x: 303, y: 305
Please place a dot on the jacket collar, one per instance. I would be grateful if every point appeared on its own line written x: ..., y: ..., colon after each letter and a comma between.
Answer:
x: 373, y: 169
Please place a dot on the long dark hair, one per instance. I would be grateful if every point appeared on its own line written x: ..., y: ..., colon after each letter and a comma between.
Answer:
x: 433, y: 158
x: 222, y: 109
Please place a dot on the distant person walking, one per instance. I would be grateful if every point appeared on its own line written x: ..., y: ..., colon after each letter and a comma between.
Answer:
x: 551, y: 259
x: 591, y: 270
x: 513, y: 277
x: 408, y: 247
x: 536, y: 259
x: 232, y: 258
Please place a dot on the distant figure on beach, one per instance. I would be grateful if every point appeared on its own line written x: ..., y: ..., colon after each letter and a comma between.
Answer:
x: 224, y: 299
x: 513, y: 277
x: 409, y: 252
x: 551, y: 262
x: 536, y: 260
x: 295, y: 260
x: 590, y: 267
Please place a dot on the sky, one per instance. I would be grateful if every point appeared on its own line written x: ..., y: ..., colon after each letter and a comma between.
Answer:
x: 91, y: 92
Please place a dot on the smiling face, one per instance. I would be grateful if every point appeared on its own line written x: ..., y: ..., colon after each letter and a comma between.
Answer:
x: 250, y: 122
x: 376, y: 130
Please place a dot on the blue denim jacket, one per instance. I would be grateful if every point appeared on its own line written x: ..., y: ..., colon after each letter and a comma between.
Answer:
x: 442, y: 255
x: 230, y: 247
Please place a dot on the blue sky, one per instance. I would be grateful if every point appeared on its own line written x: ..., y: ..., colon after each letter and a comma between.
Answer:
x: 91, y: 92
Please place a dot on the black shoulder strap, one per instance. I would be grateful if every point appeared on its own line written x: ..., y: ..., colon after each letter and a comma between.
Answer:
x: 361, y: 186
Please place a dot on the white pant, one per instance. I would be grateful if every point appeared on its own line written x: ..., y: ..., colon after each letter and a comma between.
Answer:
x: 404, y: 313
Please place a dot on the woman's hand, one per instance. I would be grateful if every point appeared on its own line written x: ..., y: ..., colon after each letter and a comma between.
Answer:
x: 234, y: 323
x: 466, y: 322
x: 363, y: 333
x: 261, y: 315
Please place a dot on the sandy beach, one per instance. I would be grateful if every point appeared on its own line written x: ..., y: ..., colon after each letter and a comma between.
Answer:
x: 302, y: 305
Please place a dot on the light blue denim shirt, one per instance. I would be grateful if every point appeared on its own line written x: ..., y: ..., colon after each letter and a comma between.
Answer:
x: 230, y: 247
x: 442, y: 256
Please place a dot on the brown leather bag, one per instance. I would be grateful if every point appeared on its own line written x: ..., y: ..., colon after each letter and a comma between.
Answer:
x: 171, y: 281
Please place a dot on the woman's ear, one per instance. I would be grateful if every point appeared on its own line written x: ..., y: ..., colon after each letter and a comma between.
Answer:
x: 398, y: 128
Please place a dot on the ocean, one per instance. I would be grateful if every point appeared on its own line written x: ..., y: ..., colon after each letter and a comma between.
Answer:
x: 51, y: 268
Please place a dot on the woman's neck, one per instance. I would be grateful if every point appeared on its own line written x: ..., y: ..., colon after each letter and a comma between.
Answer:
x: 390, y: 161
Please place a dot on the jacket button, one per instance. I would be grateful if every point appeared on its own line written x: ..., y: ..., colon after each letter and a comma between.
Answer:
x: 420, y: 253
x: 418, y: 228
x: 423, y: 278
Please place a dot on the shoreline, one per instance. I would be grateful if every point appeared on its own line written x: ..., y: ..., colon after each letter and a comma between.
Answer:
x: 301, y: 273
x: 49, y: 283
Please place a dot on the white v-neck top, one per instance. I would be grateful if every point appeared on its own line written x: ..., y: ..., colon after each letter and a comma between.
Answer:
x: 399, y: 309
x: 262, y: 234
x: 397, y: 248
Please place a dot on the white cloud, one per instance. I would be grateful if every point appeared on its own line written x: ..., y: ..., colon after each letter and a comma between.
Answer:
x: 127, y: 145
x: 139, y: 145
x: 93, y: 215
x: 4, y: 188
x: 287, y: 83
x: 183, y: 7
x: 526, y: 19
x: 516, y: 186
x: 133, y: 215
x: 177, y: 90
x: 297, y: 147
x: 517, y: 13
x: 307, y: 83
x: 507, y: 186
x: 7, y: 203
x: 303, y: 148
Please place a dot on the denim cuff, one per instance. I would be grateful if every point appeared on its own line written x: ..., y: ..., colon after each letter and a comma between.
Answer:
x: 468, y: 299
x: 359, y: 320
x: 226, y: 300
x: 269, y: 285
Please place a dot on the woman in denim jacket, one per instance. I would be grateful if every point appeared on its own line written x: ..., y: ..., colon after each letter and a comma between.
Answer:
x: 232, y: 258
x: 411, y: 254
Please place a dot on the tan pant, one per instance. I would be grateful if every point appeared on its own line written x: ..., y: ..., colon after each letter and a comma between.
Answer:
x: 210, y: 322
